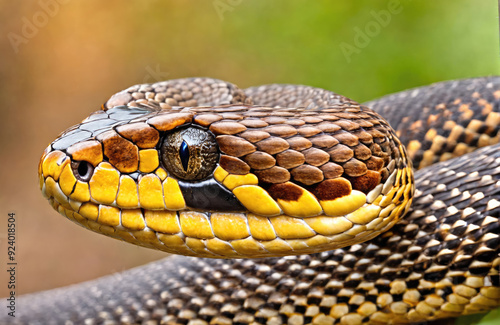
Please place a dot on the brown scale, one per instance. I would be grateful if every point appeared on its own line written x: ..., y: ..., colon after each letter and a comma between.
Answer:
x: 273, y: 175
x: 375, y: 163
x: 366, y: 182
x: 235, y: 146
x: 260, y: 160
x: 254, y: 136
x: 308, y: 131
x: 272, y: 145
x: 234, y: 165
x: 290, y: 158
x: 285, y: 191
x: 141, y: 134
x: 324, y: 141
x: 315, y: 157
x: 355, y: 168
x: 90, y: 151
x: 227, y: 128
x: 299, y: 143
x: 347, y: 138
x: 166, y: 121
x: 307, y: 174
x: 341, y: 153
x: 283, y: 131
x: 331, y: 189
x: 328, y: 127
x: 332, y: 170
x: 121, y: 153
x: 232, y: 116
x: 207, y: 119
x: 254, y: 123
x: 362, y: 152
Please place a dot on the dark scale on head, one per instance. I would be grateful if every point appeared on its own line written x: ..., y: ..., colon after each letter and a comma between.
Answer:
x: 100, y: 124
x: 69, y: 138
x: 209, y: 195
x: 285, y: 192
x: 367, y: 182
x: 127, y: 113
x: 331, y: 189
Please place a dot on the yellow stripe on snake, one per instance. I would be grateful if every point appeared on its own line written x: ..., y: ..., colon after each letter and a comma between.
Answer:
x: 199, y: 167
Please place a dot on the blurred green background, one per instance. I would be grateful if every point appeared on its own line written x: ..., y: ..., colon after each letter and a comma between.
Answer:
x: 61, y: 59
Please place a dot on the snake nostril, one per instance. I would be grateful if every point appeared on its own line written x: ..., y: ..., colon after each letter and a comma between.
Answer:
x: 82, y: 170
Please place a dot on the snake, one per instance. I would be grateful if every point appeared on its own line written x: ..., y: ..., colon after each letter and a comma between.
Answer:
x: 293, y: 204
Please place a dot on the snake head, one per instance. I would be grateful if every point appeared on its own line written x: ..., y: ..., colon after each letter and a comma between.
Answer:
x: 230, y: 180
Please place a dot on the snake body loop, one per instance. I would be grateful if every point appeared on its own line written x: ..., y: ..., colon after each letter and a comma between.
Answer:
x: 440, y: 261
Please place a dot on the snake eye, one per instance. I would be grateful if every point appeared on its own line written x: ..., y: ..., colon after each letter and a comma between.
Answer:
x: 82, y: 170
x: 189, y: 153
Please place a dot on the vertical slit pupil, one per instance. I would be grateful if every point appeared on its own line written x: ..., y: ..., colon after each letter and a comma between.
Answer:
x: 184, y: 154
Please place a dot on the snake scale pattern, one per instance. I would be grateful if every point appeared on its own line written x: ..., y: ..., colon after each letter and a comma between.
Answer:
x: 440, y: 261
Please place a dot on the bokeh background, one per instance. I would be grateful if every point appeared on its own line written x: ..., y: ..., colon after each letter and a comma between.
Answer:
x: 61, y: 59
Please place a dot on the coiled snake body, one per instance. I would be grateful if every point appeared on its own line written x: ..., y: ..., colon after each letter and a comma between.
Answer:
x: 267, y: 180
